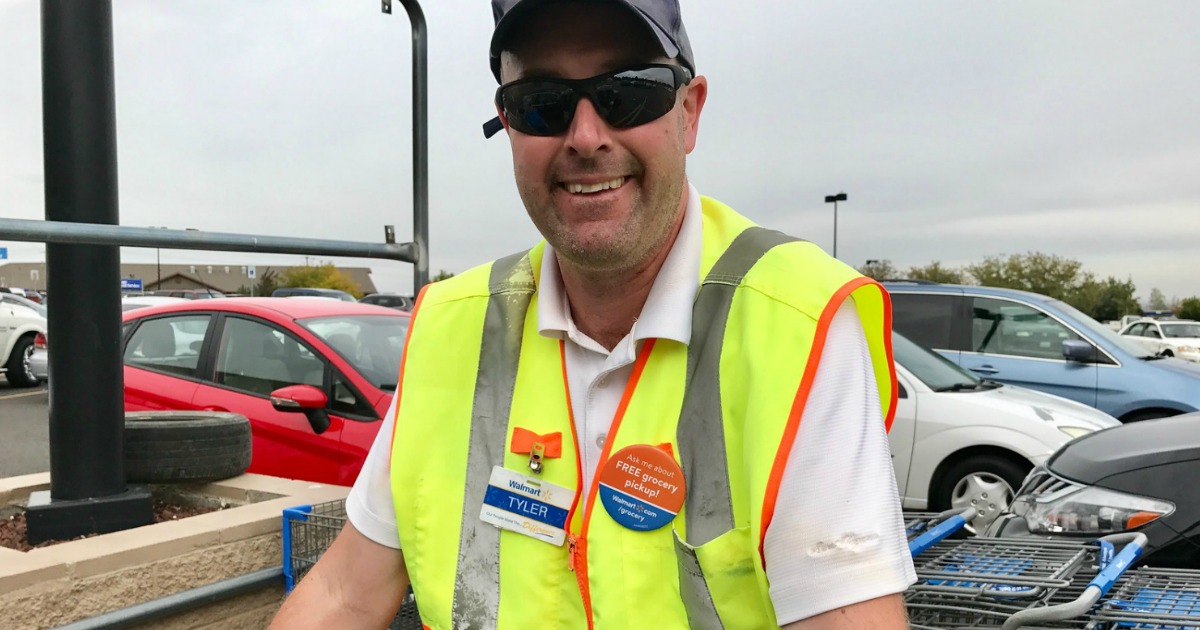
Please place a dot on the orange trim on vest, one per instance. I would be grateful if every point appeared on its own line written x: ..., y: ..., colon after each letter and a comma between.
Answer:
x: 412, y: 321
x: 578, y: 544
x: 793, y: 424
x: 890, y: 416
x: 562, y: 355
x: 524, y: 439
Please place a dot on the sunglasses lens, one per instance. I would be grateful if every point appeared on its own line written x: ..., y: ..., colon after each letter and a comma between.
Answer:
x: 624, y: 99
x: 636, y: 97
x: 539, y: 109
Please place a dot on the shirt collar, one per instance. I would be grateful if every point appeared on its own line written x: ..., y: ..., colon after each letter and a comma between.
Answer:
x: 667, y: 313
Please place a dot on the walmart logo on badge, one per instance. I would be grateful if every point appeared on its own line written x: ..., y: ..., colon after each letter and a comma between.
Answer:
x: 532, y: 487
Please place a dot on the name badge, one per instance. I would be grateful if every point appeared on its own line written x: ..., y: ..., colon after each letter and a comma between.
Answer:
x: 527, y: 505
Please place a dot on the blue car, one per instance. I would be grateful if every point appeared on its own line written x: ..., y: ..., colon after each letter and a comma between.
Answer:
x: 1042, y: 343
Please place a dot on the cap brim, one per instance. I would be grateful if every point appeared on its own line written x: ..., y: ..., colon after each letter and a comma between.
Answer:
x: 513, y: 17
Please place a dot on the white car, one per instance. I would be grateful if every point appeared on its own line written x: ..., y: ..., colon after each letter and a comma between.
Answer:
x: 1167, y: 337
x: 960, y: 441
x: 21, y: 321
x: 39, y: 360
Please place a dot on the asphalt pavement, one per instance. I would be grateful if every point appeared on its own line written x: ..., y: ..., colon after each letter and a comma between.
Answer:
x: 24, y: 430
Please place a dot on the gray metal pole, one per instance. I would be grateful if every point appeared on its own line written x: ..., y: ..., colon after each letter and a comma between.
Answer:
x: 420, y: 46
x: 87, y: 477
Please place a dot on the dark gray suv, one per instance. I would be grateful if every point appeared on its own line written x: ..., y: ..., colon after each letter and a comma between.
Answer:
x: 390, y: 300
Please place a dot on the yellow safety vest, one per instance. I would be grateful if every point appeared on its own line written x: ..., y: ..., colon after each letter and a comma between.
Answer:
x: 729, y: 403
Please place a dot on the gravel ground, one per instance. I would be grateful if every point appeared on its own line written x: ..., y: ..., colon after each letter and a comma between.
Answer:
x: 12, y: 529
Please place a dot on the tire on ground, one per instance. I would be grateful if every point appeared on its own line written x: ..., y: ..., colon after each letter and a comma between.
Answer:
x: 15, y: 369
x: 185, y: 446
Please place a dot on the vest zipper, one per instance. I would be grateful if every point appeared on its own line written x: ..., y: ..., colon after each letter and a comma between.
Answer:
x: 577, y: 545
x: 574, y: 542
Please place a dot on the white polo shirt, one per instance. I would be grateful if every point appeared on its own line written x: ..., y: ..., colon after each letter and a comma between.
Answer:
x: 837, y: 536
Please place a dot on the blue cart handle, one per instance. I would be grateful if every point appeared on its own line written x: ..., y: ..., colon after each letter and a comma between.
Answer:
x: 1127, y: 556
x: 940, y: 532
x: 1096, y: 589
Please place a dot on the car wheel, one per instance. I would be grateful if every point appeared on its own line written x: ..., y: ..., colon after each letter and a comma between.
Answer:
x: 984, y: 482
x: 1150, y: 414
x: 17, y: 370
x: 178, y: 446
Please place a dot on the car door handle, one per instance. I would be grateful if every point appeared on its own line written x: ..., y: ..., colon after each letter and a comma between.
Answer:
x: 984, y: 369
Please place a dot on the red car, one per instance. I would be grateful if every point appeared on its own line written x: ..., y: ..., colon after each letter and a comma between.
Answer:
x: 314, y: 376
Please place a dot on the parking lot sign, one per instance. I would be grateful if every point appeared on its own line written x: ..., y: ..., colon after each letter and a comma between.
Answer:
x: 251, y: 272
x: 131, y: 284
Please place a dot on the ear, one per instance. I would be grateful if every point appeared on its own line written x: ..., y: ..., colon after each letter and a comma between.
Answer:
x: 693, y: 104
x: 502, y: 117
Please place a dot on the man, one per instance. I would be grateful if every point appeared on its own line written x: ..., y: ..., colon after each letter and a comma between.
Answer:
x: 663, y: 416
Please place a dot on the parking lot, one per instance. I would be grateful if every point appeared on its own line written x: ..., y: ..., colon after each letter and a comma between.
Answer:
x: 24, y: 430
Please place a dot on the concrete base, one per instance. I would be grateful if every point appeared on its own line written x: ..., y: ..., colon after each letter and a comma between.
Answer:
x: 68, y: 582
x: 57, y: 519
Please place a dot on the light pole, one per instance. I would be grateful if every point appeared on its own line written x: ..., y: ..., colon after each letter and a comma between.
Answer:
x: 834, y: 199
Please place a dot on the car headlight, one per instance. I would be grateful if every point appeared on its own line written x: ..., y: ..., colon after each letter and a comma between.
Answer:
x: 1069, y: 508
x: 1187, y: 348
x: 1075, y: 432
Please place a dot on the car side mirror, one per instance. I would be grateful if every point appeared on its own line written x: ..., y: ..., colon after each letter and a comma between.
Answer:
x: 304, y: 399
x: 1078, y: 351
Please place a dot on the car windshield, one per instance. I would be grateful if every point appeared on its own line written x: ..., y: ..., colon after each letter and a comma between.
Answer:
x: 940, y: 374
x: 1095, y: 329
x: 372, y: 344
x: 1180, y: 331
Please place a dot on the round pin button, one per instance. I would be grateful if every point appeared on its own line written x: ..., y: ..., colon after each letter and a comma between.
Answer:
x: 641, y: 487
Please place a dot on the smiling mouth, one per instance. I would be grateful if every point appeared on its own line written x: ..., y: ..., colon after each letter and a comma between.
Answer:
x: 589, y: 189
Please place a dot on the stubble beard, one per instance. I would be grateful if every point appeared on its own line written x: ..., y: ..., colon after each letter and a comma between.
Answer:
x: 647, y: 226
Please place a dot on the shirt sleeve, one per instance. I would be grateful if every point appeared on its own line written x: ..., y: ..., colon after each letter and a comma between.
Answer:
x: 837, y: 536
x: 369, y: 505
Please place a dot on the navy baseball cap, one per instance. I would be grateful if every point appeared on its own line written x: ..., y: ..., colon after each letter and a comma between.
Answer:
x: 661, y: 17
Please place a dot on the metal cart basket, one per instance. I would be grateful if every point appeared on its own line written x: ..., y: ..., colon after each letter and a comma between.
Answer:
x: 1006, y: 583
x: 308, y: 530
x: 1166, y: 599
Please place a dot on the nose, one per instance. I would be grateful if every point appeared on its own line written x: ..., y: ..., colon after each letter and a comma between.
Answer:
x: 589, y: 133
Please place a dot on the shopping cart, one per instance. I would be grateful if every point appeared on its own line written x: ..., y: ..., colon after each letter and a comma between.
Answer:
x: 917, y: 523
x: 1166, y: 599
x: 308, y: 530
x: 1008, y: 583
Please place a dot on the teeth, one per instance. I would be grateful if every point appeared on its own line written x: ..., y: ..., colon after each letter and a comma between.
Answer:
x: 592, y: 188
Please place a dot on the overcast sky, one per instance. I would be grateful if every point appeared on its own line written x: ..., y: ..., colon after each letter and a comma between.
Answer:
x: 958, y: 129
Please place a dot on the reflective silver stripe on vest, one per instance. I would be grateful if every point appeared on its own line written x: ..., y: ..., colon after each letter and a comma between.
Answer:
x: 477, y: 587
x: 701, y: 430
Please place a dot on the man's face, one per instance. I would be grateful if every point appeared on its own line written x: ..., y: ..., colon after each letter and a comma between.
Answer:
x: 626, y: 224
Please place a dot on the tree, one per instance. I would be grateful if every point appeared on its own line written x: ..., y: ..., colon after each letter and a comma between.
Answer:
x: 324, y: 276
x: 1105, y: 300
x: 268, y: 281
x: 1046, y: 274
x: 935, y: 272
x: 879, y: 270
x: 1189, y: 308
x: 442, y: 274
x: 1158, y: 302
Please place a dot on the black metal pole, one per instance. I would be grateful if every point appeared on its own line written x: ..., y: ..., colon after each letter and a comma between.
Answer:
x: 86, y: 400
x: 835, y: 229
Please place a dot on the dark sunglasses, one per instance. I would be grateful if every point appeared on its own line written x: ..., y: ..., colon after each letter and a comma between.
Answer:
x: 623, y: 98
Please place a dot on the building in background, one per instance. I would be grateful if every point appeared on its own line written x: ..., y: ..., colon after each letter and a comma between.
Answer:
x: 217, y: 277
